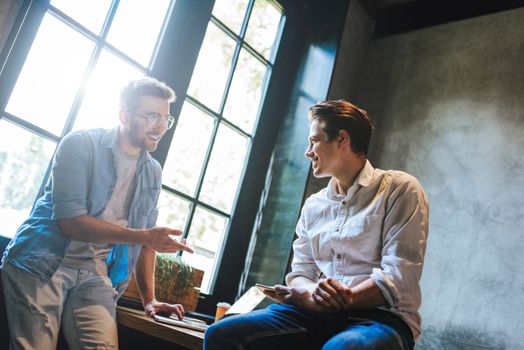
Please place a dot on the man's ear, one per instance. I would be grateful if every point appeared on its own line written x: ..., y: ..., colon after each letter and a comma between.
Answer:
x: 124, y: 117
x: 343, y: 137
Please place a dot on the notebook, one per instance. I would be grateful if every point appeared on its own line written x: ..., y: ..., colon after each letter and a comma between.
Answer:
x: 247, y: 302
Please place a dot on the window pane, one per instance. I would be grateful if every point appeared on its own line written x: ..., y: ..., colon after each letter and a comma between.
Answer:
x: 100, y: 105
x: 24, y: 157
x: 231, y: 13
x: 224, y: 169
x: 172, y: 210
x: 263, y: 27
x: 188, y: 149
x: 246, y: 89
x: 212, y: 67
x: 136, y: 28
x: 51, y: 76
x: 205, y: 237
x: 89, y: 13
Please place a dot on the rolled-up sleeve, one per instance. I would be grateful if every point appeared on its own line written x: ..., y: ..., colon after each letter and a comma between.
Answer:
x: 404, y: 244
x: 70, y: 174
x: 303, y: 263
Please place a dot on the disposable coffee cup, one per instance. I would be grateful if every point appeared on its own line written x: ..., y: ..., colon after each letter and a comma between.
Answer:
x: 221, y: 310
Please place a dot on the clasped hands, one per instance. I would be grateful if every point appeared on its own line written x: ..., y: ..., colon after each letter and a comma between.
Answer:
x: 328, y: 295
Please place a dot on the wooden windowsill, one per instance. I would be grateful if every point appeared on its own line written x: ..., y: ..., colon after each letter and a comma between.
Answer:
x: 137, y: 320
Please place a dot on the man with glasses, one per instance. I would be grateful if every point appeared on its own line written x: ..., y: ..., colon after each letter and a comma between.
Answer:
x: 93, y: 227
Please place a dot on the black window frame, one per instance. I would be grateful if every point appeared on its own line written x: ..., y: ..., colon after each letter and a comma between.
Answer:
x: 176, y: 55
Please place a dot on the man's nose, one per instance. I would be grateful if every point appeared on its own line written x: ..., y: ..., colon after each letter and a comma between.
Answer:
x: 308, y: 153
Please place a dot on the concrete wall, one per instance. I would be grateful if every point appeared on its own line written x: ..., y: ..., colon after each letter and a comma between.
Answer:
x: 448, y: 102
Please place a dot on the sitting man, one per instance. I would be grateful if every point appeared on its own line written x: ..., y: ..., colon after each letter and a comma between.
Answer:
x: 358, y: 256
x: 73, y: 257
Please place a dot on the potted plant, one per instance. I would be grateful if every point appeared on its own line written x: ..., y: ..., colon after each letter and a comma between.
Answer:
x: 174, y: 278
x: 175, y: 282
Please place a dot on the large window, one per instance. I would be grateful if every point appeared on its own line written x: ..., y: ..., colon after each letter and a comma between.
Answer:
x: 80, y: 57
x: 205, y: 161
x: 81, y: 54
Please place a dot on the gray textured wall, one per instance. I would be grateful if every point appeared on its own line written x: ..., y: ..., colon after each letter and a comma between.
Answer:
x: 449, y: 108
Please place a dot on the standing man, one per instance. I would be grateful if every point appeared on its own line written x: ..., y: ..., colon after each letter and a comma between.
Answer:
x: 354, y: 280
x: 73, y: 257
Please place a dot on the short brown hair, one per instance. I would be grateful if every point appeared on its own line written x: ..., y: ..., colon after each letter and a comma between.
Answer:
x: 145, y: 86
x: 343, y: 115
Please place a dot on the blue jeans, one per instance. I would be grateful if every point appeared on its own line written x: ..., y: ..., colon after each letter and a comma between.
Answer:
x: 287, y: 327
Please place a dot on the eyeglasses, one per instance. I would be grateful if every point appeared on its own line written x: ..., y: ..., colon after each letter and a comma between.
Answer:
x: 156, y: 119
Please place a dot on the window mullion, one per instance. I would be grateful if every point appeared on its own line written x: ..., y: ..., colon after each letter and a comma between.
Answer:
x: 99, y: 45
x: 31, y: 127
x: 17, y: 47
x: 207, y: 157
x: 162, y: 35
x: 234, y: 61
x: 243, y: 28
x: 236, y: 54
x: 181, y: 46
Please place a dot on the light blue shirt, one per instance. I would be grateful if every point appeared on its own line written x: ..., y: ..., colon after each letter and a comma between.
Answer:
x: 82, y: 181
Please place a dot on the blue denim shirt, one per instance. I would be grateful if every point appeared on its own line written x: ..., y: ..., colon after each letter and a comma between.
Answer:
x: 82, y: 181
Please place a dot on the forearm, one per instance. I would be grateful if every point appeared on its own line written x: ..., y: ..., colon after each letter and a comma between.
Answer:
x: 90, y: 229
x: 366, y: 295
x: 302, y: 282
x: 145, y: 275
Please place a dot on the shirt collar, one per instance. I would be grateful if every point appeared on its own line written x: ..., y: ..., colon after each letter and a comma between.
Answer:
x: 110, y: 140
x: 364, y: 178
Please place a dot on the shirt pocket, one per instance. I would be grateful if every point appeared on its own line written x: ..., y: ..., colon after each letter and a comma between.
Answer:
x: 362, y: 237
x: 144, y: 205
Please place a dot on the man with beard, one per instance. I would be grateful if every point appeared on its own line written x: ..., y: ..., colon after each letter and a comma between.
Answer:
x: 93, y: 227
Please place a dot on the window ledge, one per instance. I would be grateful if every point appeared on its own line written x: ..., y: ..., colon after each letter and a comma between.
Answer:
x: 137, y: 320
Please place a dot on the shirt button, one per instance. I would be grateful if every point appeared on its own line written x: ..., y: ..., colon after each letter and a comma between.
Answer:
x: 339, y: 256
x: 337, y: 230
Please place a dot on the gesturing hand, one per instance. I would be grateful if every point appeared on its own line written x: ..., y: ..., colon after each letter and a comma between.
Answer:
x: 163, y: 240
x: 330, y: 293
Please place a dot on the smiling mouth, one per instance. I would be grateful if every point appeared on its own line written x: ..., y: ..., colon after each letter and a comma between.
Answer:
x: 155, y: 137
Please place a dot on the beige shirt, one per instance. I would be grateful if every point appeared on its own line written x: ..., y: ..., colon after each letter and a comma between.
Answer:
x: 378, y: 229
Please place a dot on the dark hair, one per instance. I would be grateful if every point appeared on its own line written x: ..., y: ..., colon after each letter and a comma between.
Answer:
x: 145, y: 86
x: 342, y: 115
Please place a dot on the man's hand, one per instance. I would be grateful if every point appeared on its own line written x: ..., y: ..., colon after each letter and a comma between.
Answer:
x: 297, y: 296
x: 163, y: 240
x: 330, y: 293
x: 154, y: 307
